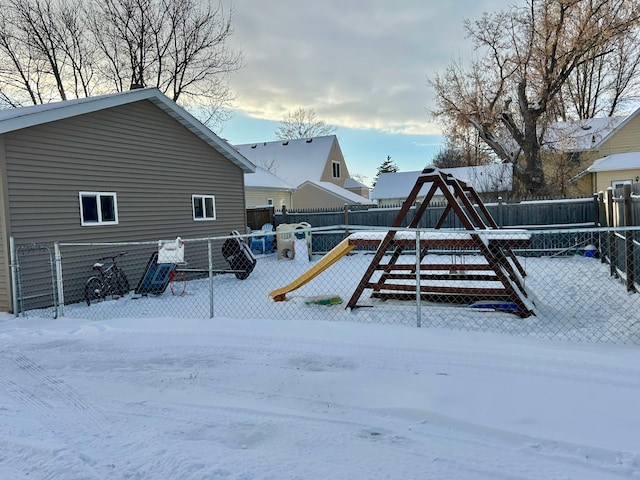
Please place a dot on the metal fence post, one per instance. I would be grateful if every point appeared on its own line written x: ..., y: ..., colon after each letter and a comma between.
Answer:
x: 612, y: 234
x: 14, y: 277
x: 59, y: 283
x: 210, y: 253
x: 346, y: 219
x: 628, y: 240
x: 418, y: 289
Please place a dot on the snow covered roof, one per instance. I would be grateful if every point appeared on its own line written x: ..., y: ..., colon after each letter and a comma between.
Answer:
x: 483, y: 178
x: 584, y: 135
x: 353, y: 183
x: 19, y: 118
x: 617, y: 161
x: 343, y: 193
x: 294, y: 161
x: 262, y: 178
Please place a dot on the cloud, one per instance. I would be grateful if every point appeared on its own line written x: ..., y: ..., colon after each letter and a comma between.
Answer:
x: 357, y: 64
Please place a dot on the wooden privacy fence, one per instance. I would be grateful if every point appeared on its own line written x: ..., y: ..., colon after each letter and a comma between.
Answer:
x: 619, y: 208
x: 580, y: 212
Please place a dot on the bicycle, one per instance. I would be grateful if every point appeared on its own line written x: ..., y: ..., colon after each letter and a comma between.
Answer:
x: 111, y: 280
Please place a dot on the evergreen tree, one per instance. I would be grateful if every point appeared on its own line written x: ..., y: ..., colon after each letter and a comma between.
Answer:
x: 388, y: 166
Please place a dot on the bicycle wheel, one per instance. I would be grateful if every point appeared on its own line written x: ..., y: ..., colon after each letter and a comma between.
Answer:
x: 121, y: 283
x: 177, y: 283
x: 93, y: 290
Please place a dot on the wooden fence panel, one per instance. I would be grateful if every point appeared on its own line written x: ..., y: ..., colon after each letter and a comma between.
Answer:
x: 566, y: 213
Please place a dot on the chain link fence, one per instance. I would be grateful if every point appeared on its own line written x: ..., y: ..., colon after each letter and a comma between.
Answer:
x: 558, y: 284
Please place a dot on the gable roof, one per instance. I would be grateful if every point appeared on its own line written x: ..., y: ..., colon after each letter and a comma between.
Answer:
x: 294, y: 161
x: 262, y: 178
x: 353, y: 183
x: 342, y: 193
x: 483, y: 178
x: 25, y: 117
x: 617, y: 161
x: 586, y: 134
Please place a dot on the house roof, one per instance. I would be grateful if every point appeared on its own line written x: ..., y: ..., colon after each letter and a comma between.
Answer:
x: 344, y: 194
x: 586, y: 134
x: 617, y: 161
x: 294, y: 161
x: 353, y: 183
x: 483, y: 178
x: 262, y: 178
x: 19, y: 118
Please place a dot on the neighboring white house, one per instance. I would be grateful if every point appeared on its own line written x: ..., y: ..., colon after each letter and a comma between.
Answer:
x: 393, y: 188
x: 314, y: 167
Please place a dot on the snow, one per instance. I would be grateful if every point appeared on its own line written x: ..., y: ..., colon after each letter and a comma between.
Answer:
x: 617, y: 161
x: 166, y: 397
x: 445, y: 234
x: 483, y: 178
x: 265, y: 179
x: 293, y: 161
x: 584, y: 135
x: 340, y: 192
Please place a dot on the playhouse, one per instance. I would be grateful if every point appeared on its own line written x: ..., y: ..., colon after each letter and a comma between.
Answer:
x: 287, y: 234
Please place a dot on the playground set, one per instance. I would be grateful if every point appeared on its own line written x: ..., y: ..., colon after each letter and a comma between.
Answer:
x: 437, y: 281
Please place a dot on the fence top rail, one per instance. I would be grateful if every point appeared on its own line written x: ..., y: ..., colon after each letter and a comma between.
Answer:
x: 370, y: 228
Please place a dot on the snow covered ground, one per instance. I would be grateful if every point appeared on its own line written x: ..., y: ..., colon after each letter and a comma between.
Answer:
x: 153, y: 395
x: 167, y: 398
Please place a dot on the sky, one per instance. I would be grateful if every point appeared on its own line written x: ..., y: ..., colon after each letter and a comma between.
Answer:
x: 136, y: 388
x: 361, y: 66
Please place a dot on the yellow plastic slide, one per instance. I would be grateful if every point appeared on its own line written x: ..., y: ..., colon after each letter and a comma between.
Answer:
x: 321, y: 265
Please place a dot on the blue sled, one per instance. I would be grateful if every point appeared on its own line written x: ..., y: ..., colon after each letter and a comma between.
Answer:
x: 494, y: 305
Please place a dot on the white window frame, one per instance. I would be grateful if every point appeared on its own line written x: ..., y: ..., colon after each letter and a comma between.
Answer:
x: 98, y: 196
x: 269, y: 201
x: 204, y: 198
x: 335, y: 166
x: 621, y: 183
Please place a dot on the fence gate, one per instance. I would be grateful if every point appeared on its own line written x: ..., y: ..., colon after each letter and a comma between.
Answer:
x: 35, y: 279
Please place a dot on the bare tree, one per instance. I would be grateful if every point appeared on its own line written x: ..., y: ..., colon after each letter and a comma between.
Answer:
x: 302, y: 123
x: 59, y: 49
x: 449, y: 157
x: 526, y: 57
x: 604, y: 84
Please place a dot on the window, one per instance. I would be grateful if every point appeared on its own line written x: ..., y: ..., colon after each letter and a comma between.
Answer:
x: 98, y: 208
x: 336, y: 169
x: 269, y: 201
x: 574, y: 157
x: 204, y: 207
x: 620, y: 183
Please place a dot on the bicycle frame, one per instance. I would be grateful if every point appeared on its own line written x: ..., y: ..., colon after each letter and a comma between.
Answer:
x: 110, y: 281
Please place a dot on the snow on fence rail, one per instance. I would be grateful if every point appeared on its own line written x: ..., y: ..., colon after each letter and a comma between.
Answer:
x: 566, y: 284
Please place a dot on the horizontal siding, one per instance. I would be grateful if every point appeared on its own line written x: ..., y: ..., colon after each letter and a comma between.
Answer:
x: 5, y: 263
x: 335, y: 155
x: 258, y: 197
x: 312, y: 197
x: 151, y: 162
x: 624, y: 140
x: 604, y: 179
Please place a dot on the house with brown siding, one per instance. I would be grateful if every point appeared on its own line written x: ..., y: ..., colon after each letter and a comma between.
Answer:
x: 131, y: 166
